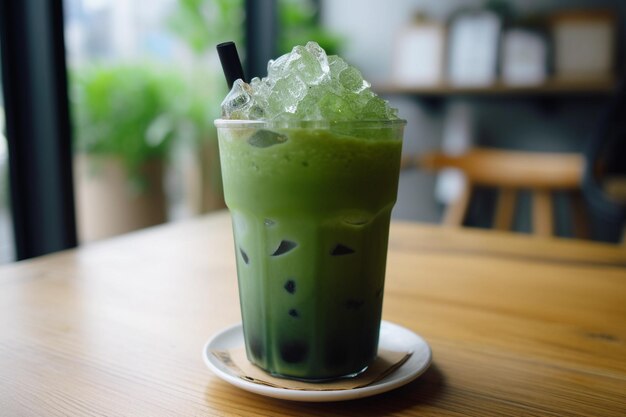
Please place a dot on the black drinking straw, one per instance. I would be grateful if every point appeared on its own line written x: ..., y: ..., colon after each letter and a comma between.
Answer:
x: 231, y: 65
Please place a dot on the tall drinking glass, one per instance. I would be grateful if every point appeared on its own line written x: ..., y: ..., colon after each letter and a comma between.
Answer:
x: 311, y: 205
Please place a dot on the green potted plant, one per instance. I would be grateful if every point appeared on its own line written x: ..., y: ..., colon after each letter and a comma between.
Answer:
x: 201, y: 25
x: 122, y: 135
x: 195, y: 126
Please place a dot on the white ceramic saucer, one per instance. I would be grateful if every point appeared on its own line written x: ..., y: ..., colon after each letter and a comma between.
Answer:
x: 392, y: 337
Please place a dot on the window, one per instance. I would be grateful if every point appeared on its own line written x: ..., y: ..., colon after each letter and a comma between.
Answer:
x: 6, y: 228
x: 145, y: 87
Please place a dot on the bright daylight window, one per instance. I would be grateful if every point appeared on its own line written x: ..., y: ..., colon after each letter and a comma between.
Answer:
x: 6, y: 229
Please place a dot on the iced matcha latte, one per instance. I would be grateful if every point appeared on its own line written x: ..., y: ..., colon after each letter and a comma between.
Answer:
x: 310, y: 160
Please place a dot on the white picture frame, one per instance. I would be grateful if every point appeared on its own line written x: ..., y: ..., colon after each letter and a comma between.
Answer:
x: 419, y: 55
x: 584, y: 44
x: 524, y: 57
x: 473, y: 41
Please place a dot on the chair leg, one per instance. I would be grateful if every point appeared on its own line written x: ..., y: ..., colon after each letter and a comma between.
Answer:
x: 505, y: 209
x: 580, y: 222
x: 457, y: 210
x: 542, y: 213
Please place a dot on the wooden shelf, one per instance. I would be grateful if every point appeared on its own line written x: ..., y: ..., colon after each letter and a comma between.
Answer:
x: 552, y: 87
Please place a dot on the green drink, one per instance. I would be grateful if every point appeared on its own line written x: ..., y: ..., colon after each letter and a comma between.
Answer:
x: 311, y: 204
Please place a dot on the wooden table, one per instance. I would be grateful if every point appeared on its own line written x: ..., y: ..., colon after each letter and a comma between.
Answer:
x: 517, y: 325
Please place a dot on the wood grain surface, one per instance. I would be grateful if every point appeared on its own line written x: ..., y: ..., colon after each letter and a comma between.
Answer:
x: 518, y: 325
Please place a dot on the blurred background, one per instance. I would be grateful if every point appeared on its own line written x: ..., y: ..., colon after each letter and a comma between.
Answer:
x: 139, y: 84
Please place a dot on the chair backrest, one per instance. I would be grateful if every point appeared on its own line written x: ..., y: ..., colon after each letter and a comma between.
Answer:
x: 511, y: 172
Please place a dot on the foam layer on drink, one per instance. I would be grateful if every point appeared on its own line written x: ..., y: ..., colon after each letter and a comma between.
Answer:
x: 306, y: 85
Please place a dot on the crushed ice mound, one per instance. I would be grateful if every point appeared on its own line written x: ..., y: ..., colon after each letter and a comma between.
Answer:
x: 306, y: 84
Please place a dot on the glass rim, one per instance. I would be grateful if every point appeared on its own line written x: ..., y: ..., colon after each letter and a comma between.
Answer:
x: 309, y: 124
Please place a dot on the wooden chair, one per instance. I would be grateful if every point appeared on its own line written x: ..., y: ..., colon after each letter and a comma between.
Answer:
x: 510, y: 172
